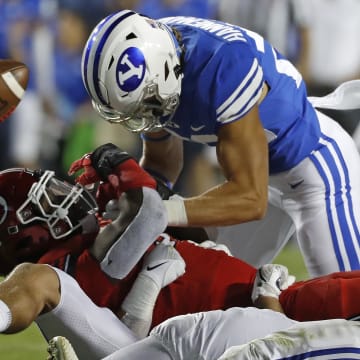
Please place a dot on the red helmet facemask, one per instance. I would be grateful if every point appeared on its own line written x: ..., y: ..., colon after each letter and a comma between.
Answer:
x: 36, y: 209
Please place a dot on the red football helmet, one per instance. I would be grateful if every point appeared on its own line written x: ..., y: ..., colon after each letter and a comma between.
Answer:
x: 36, y: 208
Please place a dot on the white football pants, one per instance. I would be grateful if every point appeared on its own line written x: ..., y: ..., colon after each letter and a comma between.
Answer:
x: 94, y: 332
x: 319, y: 200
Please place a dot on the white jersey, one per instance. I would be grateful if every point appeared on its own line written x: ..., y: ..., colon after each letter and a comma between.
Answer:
x: 320, y: 340
x: 207, y: 335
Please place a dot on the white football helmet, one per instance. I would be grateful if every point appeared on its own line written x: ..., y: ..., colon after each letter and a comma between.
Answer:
x: 131, y: 69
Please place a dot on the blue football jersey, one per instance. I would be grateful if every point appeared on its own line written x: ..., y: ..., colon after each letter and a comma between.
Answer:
x: 225, y: 67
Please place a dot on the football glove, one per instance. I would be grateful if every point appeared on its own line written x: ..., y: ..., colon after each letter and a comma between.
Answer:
x: 270, y: 280
x: 109, y: 160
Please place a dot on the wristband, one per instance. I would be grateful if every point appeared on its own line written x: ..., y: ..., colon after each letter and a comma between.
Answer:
x: 176, y: 212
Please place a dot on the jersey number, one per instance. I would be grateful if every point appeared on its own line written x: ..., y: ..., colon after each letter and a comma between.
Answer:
x: 283, y: 66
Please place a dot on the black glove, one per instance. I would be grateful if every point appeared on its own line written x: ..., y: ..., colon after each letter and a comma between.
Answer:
x: 106, y: 158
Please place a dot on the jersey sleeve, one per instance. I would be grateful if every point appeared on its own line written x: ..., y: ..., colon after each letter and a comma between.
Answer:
x: 327, y: 297
x: 239, y: 82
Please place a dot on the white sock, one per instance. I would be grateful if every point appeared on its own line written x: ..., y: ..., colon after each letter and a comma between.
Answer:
x: 5, y: 316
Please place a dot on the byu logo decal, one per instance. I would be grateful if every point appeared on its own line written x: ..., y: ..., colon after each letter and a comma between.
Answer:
x: 130, y: 69
x: 3, y: 209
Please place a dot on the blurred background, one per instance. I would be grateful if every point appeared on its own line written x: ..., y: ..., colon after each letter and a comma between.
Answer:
x: 55, y: 124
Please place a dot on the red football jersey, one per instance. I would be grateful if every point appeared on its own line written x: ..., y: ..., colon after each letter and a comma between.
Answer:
x: 327, y: 297
x: 212, y: 280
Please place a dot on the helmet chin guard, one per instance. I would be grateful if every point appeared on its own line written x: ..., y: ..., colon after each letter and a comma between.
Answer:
x: 132, y: 72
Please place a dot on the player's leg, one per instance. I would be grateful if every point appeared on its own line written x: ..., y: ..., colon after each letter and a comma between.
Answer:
x: 338, y: 164
x: 321, y: 195
x: 26, y: 292
x: 335, y: 339
x: 257, y: 242
x: 203, y: 335
x: 94, y: 332
x: 207, y: 335
x: 150, y: 348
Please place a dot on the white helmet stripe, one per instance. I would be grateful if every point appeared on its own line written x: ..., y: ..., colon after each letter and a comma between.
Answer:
x: 92, y: 79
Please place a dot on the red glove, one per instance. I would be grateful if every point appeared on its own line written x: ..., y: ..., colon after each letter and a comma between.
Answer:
x: 131, y: 176
x: 89, y: 176
x: 108, y: 161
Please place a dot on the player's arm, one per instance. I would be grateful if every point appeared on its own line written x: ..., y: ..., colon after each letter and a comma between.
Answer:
x: 243, y: 156
x: 162, y: 155
x: 161, y: 266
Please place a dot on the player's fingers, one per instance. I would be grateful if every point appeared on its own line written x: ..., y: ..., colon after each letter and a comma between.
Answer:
x: 291, y: 279
x: 87, y: 178
x: 79, y: 164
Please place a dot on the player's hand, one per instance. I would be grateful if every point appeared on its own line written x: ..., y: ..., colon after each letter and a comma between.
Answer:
x: 89, y: 175
x: 164, y: 264
x: 107, y: 162
x: 99, y: 164
x: 270, y: 280
x: 106, y: 158
x: 208, y: 244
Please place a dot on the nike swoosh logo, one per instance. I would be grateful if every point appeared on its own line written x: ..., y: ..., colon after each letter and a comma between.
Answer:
x: 149, y: 268
x: 294, y: 186
x: 198, y: 128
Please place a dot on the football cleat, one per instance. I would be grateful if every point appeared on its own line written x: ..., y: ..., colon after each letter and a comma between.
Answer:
x: 60, y: 348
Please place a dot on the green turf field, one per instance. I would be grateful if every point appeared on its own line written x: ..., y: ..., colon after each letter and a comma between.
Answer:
x: 29, y: 344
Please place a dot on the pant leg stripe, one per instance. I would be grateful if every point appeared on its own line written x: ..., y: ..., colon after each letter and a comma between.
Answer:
x: 334, y: 232
x: 340, y: 206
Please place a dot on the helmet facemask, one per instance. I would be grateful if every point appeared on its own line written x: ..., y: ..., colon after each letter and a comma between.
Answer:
x: 63, y: 207
x: 150, y: 114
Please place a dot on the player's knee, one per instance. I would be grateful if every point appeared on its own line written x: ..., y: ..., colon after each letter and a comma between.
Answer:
x: 39, y: 281
x: 24, y: 271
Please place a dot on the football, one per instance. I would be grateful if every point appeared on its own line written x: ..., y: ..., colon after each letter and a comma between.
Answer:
x: 14, y: 77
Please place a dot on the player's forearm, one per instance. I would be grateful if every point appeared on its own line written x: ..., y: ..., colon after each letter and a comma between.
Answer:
x: 220, y: 206
x: 138, y: 306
